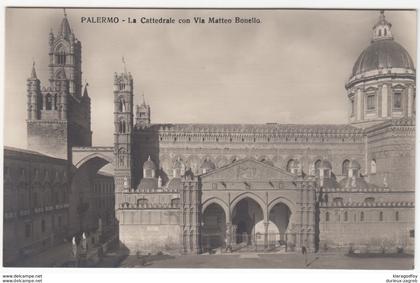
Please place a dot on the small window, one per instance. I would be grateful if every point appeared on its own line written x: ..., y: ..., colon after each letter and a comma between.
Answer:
x: 121, y: 105
x: 385, y: 32
x: 381, y: 216
x: 362, y: 216
x: 397, y: 100
x: 327, y: 216
x: 316, y: 165
x: 373, y: 166
x: 380, y: 32
x: 346, y: 216
x: 397, y: 216
x: 352, y: 106
x: 42, y: 225
x: 371, y: 102
x: 345, y: 167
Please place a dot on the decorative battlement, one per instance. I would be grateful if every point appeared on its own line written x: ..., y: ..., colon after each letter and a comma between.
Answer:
x: 368, y: 204
x: 148, y: 206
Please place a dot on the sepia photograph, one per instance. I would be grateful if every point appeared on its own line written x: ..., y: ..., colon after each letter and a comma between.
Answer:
x: 209, y: 138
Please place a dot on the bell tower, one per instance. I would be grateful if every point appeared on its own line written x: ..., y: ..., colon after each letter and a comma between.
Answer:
x: 123, y: 121
x: 58, y: 114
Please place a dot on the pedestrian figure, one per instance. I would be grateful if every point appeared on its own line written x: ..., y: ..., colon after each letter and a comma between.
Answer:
x: 74, y: 251
x: 305, y: 254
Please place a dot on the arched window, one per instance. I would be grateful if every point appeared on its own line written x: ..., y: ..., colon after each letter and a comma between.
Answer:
x: 385, y: 32
x: 345, y: 167
x: 121, y: 105
x: 380, y: 32
x: 122, y: 126
x: 60, y: 56
x: 48, y: 102
x: 316, y: 165
x: 381, y: 216
x: 293, y: 166
x: 327, y: 216
x: 373, y: 166
x: 362, y: 216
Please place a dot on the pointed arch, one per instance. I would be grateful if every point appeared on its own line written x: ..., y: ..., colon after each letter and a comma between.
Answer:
x: 60, y: 74
x: 345, y: 167
x: 48, y: 101
x: 253, y: 197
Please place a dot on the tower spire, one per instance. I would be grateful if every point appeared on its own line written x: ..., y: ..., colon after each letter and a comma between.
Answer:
x: 124, y: 65
x: 144, y: 101
x: 65, y: 30
x: 85, y: 92
x: 33, y: 72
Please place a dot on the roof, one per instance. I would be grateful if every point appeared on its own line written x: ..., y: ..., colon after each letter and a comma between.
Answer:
x: 13, y: 151
x: 175, y: 184
x: 147, y: 184
x: 385, y: 53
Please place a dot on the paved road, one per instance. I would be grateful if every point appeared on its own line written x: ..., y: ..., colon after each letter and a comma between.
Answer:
x: 252, y: 260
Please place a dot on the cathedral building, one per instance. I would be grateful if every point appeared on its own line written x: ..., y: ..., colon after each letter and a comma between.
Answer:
x: 196, y: 188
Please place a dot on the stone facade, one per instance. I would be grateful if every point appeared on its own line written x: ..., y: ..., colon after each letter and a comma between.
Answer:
x: 316, y: 186
x: 36, y: 203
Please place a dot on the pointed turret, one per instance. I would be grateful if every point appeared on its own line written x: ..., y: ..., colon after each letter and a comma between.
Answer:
x: 85, y: 92
x: 144, y: 100
x: 65, y: 30
x: 33, y: 72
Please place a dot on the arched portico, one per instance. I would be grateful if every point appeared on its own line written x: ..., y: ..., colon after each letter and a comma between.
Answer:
x: 83, y: 216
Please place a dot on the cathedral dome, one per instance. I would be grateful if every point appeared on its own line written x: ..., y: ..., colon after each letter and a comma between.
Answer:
x: 383, y: 53
x: 207, y: 166
x: 149, y: 165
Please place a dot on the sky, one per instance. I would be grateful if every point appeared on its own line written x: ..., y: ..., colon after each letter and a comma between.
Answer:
x: 290, y: 68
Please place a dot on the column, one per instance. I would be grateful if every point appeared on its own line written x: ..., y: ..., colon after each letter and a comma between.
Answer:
x: 384, y: 105
x: 228, y: 237
x: 43, y: 101
x: 266, y: 235
x: 359, y: 103
x: 410, y: 101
